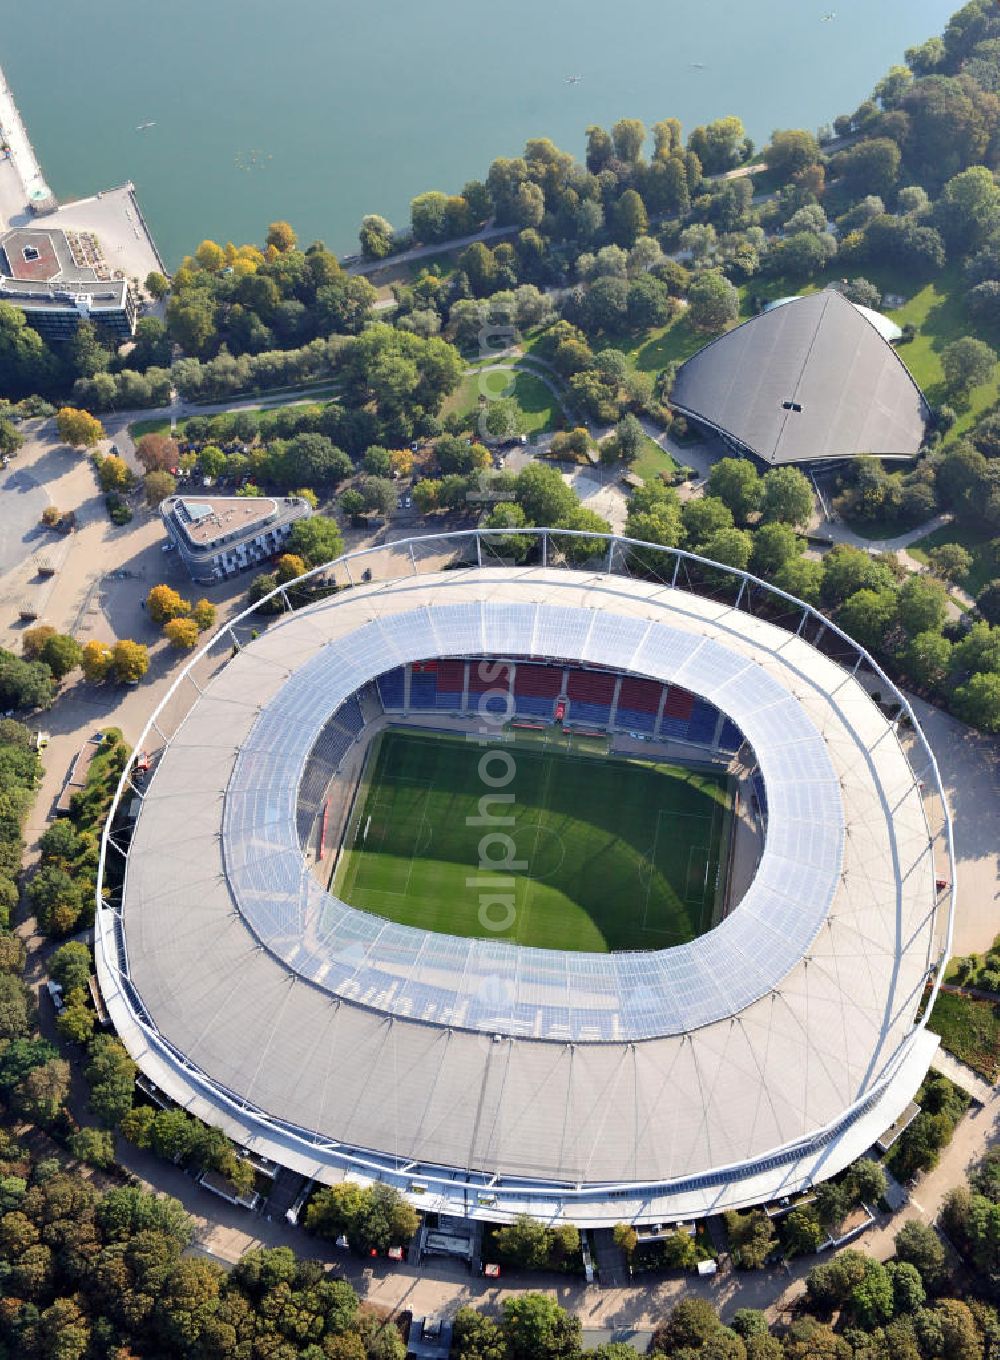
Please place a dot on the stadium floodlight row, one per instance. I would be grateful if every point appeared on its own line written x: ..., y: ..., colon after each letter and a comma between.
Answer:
x: 487, y: 1078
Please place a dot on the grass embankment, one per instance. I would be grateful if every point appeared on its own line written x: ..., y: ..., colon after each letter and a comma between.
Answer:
x: 940, y: 316
x: 970, y: 1029
x: 615, y: 855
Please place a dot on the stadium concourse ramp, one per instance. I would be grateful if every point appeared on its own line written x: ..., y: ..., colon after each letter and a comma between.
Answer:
x: 488, y: 1079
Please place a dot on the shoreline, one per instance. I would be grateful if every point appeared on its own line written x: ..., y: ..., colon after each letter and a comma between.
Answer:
x: 20, y: 156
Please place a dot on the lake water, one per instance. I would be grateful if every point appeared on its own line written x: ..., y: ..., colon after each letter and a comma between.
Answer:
x: 319, y: 112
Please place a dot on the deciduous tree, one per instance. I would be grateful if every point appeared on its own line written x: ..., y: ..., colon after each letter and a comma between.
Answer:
x: 157, y: 452
x: 164, y: 603
x: 129, y: 661
x: 736, y: 482
x: 114, y: 474
x: 713, y: 302
x: 181, y: 634
x: 967, y: 363
x: 281, y: 236
x: 316, y: 540
x: 95, y: 661
x: 61, y: 653
x: 157, y: 486
x: 790, y: 151
x: 786, y: 496
x: 78, y: 428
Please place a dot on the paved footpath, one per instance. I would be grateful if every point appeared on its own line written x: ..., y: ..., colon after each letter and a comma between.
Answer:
x: 963, y: 1076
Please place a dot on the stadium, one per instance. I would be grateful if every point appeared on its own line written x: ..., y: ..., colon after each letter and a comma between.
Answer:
x: 607, y: 884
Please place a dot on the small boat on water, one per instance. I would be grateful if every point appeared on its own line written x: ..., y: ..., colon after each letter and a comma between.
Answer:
x: 142, y: 127
x: 573, y: 80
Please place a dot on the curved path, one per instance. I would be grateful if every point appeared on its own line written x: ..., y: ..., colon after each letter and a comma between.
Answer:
x: 354, y: 264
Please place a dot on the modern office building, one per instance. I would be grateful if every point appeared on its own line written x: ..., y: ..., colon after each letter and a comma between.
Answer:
x: 59, y: 278
x: 218, y: 536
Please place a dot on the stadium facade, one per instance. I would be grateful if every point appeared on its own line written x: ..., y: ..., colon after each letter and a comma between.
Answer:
x: 487, y: 1078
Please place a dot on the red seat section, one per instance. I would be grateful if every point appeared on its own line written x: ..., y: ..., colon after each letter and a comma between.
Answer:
x: 594, y: 686
x: 451, y: 676
x: 543, y: 682
x: 488, y: 674
x: 679, y: 703
x: 641, y: 695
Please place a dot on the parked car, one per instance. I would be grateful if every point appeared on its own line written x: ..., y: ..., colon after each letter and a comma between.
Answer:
x: 55, y: 991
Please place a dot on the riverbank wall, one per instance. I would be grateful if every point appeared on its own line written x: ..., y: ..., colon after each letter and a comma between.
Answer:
x: 35, y: 194
x: 134, y: 200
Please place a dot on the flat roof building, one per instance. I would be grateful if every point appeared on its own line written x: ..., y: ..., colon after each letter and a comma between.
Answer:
x: 218, y: 536
x: 811, y: 380
x: 58, y: 278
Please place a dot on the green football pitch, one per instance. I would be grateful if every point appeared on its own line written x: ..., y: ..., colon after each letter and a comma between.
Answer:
x: 612, y: 854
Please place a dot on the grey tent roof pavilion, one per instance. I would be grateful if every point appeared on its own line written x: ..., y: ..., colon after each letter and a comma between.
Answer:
x: 807, y: 382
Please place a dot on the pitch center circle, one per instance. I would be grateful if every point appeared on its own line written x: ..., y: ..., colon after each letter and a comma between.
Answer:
x: 541, y: 849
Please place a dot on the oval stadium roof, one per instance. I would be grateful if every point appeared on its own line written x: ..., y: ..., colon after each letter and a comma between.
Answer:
x: 810, y: 380
x: 769, y: 1052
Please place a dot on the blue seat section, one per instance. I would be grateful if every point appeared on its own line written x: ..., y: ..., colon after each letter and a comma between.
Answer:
x: 701, y: 728
x: 423, y: 689
x: 325, y: 759
x: 391, y: 688
x: 350, y: 717
x: 673, y: 727
x: 580, y: 711
x: 732, y: 737
x: 530, y: 706
x: 635, y: 720
x: 450, y: 700
x: 760, y: 794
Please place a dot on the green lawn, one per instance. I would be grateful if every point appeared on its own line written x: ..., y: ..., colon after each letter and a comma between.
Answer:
x: 649, y: 352
x: 984, y: 568
x: 970, y: 1029
x: 539, y: 409
x: 612, y: 854
x: 939, y: 314
x: 654, y: 349
x: 653, y: 461
x: 142, y: 427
